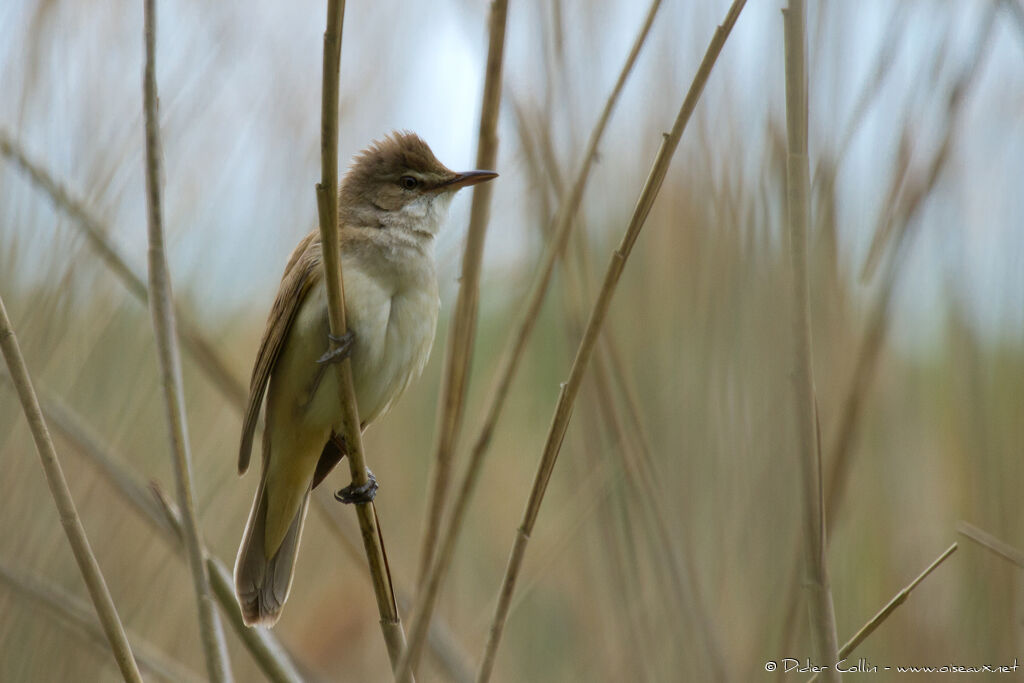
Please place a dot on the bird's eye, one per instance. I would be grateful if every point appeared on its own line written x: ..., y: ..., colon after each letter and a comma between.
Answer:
x: 408, y: 182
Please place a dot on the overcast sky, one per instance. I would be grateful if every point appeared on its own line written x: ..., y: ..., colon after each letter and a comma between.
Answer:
x: 239, y: 86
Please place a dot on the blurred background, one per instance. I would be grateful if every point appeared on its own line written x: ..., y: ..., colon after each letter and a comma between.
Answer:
x: 667, y: 547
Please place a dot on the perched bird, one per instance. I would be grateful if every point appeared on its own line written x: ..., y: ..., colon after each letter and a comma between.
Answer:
x: 391, y: 204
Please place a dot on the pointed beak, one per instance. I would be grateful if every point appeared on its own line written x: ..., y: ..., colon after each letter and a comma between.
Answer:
x: 466, y: 179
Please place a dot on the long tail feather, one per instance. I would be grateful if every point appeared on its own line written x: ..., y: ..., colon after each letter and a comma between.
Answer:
x: 262, y: 583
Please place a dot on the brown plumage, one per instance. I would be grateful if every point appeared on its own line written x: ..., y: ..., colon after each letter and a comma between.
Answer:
x: 391, y: 204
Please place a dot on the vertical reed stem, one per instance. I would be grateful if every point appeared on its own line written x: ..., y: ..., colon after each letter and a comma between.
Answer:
x: 327, y: 207
x: 459, y: 354
x: 822, y: 616
x: 162, y: 308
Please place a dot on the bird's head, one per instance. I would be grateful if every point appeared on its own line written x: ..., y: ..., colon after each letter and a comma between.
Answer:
x: 398, y: 183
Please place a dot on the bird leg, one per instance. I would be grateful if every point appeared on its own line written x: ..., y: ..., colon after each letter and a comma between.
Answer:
x: 359, y: 494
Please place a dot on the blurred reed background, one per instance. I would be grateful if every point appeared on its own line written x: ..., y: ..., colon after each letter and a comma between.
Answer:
x: 667, y: 547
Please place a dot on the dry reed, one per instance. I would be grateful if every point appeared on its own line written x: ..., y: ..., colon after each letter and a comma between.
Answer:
x: 327, y: 208
x: 817, y: 587
x: 462, y: 332
x: 894, y: 234
x: 867, y: 629
x: 212, y: 636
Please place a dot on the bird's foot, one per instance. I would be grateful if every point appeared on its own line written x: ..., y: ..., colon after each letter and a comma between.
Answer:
x: 359, y: 494
x: 341, y: 351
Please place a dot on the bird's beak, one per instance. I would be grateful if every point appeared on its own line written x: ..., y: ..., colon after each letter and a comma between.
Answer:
x: 466, y: 179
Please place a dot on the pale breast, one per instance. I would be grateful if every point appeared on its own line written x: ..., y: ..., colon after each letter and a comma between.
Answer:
x: 393, y: 313
x: 408, y: 337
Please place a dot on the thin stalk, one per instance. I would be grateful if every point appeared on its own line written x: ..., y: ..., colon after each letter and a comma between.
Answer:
x: 212, y: 635
x: 596, y: 483
x: 77, y: 615
x: 327, y: 207
x: 69, y: 519
x: 567, y: 396
x: 622, y: 547
x: 821, y: 610
x: 530, y: 312
x: 448, y: 652
x: 461, y: 335
x: 880, y: 71
x: 509, y: 363
x: 72, y: 427
x: 632, y: 450
x: 894, y: 236
x: 592, y: 488
x: 867, y: 629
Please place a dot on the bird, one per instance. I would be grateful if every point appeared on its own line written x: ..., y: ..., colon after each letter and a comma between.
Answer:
x: 391, y: 204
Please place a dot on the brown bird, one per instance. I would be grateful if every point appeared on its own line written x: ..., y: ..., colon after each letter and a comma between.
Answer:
x: 391, y: 204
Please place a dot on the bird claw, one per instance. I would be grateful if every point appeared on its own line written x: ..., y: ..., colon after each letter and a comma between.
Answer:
x: 359, y: 494
x: 341, y: 351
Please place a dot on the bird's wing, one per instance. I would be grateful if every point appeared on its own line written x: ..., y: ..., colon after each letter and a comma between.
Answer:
x: 302, y: 272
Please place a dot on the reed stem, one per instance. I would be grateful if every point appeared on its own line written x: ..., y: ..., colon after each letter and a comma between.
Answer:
x: 327, y: 207
x: 462, y: 333
x: 162, y: 309
x: 819, y: 595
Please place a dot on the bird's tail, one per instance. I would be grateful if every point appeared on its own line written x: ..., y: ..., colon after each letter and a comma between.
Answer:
x: 261, y: 582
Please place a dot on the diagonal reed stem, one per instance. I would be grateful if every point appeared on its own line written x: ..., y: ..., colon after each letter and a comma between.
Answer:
x: 69, y: 519
x: 431, y: 585
x: 461, y: 335
x: 212, y: 636
x: 631, y: 447
x: 867, y: 629
x: 567, y: 396
x: 821, y: 610
x: 327, y: 207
